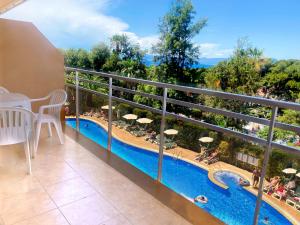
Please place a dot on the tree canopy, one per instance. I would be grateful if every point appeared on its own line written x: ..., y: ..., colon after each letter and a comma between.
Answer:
x: 175, y: 48
x: 283, y: 80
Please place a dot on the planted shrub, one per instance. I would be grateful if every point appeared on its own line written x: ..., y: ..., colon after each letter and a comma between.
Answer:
x: 141, y: 113
x: 124, y: 109
x: 188, y: 136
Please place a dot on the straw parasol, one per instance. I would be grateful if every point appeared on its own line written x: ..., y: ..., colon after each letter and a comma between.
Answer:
x: 289, y: 171
x: 171, y: 132
x: 206, y: 139
x: 107, y: 107
x: 144, y: 120
x: 130, y: 117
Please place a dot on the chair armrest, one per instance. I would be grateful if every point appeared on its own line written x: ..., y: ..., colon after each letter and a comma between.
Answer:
x: 39, y: 99
x: 42, y: 108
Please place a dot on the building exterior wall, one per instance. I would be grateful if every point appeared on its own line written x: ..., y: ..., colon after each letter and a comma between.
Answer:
x: 1, y: 56
x: 29, y: 63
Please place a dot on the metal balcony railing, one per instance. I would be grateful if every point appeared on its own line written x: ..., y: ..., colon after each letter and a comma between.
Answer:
x: 269, y: 144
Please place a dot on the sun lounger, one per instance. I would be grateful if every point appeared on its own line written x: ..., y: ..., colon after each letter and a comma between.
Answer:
x: 213, y: 158
x: 278, y: 195
x: 170, y: 145
x: 266, y: 189
x: 201, y: 156
x: 211, y: 161
x: 138, y: 133
x: 291, y: 201
x: 297, y: 206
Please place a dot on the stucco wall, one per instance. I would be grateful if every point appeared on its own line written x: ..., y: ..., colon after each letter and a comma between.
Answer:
x: 29, y: 63
x: 1, y: 56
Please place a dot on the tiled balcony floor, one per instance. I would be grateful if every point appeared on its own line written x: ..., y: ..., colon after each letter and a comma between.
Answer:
x: 70, y: 185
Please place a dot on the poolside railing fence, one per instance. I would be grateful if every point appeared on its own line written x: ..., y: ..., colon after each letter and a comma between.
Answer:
x: 75, y: 81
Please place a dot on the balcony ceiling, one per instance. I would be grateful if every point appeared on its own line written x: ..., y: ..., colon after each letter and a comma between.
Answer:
x: 6, y: 5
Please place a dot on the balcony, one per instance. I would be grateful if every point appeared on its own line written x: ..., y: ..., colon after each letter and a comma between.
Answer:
x: 70, y: 185
x: 106, y: 174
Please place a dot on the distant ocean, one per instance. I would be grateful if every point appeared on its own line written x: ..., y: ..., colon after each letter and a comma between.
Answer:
x: 203, y: 62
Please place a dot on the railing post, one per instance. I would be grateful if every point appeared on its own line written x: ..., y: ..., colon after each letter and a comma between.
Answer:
x: 265, y: 164
x: 162, y: 137
x: 109, y: 115
x: 77, y: 100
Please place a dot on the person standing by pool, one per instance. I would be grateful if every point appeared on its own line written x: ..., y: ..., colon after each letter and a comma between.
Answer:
x: 255, y: 177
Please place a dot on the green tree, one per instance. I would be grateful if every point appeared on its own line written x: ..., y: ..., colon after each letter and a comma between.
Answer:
x: 241, y: 73
x: 83, y: 59
x: 283, y: 80
x: 175, y: 48
x: 111, y: 64
x: 99, y: 55
x: 77, y: 58
x: 290, y: 117
x: 70, y: 57
x: 125, y: 49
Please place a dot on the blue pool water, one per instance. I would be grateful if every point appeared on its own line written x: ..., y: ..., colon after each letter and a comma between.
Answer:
x: 233, y: 206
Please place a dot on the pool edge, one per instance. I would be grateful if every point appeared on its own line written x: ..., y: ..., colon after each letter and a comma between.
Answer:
x: 210, y: 172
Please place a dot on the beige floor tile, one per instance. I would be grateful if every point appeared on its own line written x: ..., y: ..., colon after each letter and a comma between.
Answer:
x: 12, y: 160
x: 69, y: 191
x: 1, y: 221
x: 24, y: 206
x: 92, y: 210
x: 135, y: 205
x: 118, y: 220
x: 54, y: 173
x: 72, y: 175
x: 53, y: 217
x: 13, y: 185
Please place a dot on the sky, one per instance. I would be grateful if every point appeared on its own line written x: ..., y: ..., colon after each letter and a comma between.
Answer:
x: 271, y: 25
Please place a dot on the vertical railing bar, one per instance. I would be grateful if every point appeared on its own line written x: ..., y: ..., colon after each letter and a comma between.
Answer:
x: 109, y: 115
x: 265, y: 164
x: 162, y: 137
x: 77, y: 100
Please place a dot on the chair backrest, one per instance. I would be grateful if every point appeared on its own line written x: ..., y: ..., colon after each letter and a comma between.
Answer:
x: 16, y: 125
x: 3, y: 90
x: 57, y: 97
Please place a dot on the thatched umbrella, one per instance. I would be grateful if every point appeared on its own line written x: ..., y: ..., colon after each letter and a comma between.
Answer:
x: 106, y: 107
x: 131, y: 117
x: 289, y: 171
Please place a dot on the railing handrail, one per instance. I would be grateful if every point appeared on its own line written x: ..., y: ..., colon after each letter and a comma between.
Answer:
x: 215, y: 93
x: 268, y: 144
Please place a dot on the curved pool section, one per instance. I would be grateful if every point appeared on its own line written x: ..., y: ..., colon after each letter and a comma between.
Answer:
x: 233, y: 206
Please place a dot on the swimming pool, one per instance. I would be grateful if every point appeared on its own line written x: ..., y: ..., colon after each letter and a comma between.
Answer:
x: 233, y: 206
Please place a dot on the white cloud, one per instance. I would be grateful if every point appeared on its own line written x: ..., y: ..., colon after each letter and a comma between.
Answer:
x: 214, y: 50
x: 83, y: 23
x: 70, y: 23
x: 145, y: 42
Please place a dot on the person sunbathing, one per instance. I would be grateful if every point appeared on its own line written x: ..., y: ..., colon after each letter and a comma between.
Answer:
x: 273, y: 183
x: 212, y: 157
x: 280, y: 190
x: 151, y: 137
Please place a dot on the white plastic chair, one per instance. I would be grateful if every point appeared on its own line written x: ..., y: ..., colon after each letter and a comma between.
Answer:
x: 56, y: 99
x: 16, y: 126
x: 3, y: 91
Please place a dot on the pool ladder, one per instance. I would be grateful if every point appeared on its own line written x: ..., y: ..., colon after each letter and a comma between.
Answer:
x: 177, y: 155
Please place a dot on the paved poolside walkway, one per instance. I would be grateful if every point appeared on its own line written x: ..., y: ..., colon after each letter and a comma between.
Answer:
x: 190, y: 156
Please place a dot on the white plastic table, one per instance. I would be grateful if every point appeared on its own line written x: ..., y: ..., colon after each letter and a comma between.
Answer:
x: 15, y: 100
